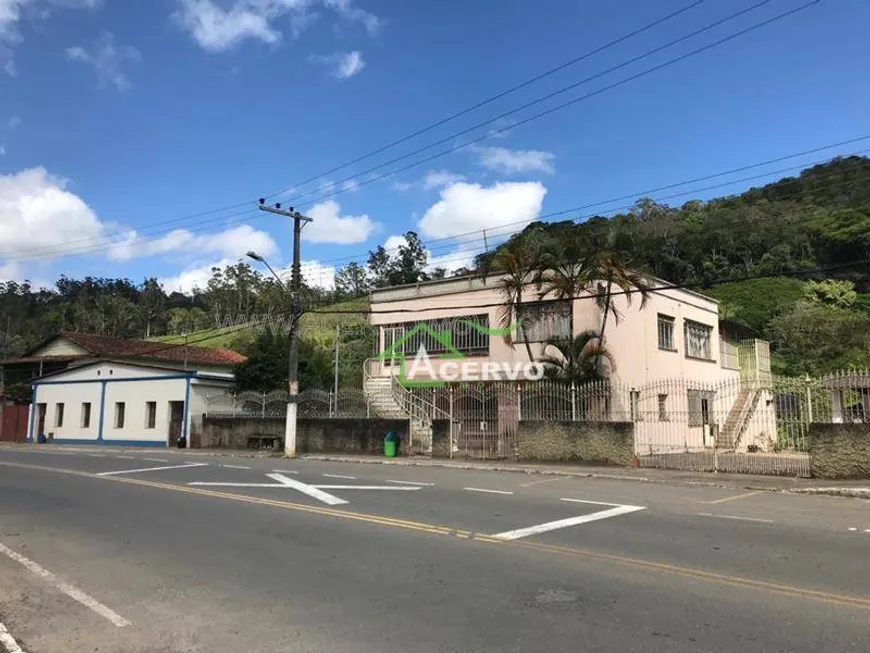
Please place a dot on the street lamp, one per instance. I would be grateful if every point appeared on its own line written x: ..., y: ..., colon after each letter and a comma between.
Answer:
x: 260, y: 259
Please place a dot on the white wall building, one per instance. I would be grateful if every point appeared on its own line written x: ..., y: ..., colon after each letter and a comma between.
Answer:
x: 122, y: 403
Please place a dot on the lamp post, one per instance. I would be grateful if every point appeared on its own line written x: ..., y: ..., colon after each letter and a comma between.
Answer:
x: 296, y: 313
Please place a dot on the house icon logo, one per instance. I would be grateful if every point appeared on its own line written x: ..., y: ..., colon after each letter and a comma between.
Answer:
x: 452, y: 365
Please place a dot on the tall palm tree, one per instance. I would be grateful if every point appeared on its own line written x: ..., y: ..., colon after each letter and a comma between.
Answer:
x: 518, y: 263
x: 608, y: 266
x: 579, y: 359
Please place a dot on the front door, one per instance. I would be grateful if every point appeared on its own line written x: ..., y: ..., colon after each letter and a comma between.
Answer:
x: 176, y: 419
x: 40, y: 423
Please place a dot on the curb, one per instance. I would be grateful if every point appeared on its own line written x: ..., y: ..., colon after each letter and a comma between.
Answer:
x: 8, y: 641
x: 545, y: 471
x: 849, y: 492
x: 234, y: 453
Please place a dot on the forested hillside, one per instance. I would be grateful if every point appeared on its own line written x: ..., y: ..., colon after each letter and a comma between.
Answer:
x: 755, y: 252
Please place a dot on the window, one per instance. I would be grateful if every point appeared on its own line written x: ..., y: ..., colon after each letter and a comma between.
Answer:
x: 119, y: 414
x: 666, y: 333
x: 86, y: 415
x: 467, y: 334
x: 698, y: 339
x: 58, y: 415
x: 150, y: 414
x: 699, y: 407
x: 663, y: 408
x: 545, y: 320
x: 634, y: 399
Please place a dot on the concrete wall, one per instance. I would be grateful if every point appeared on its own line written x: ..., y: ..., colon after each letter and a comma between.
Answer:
x: 839, y: 451
x: 314, y: 435
x: 609, y: 443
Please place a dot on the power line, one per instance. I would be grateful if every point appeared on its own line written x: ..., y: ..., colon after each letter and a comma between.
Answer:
x: 337, y: 191
x: 511, y: 227
x: 559, y: 107
x: 450, y: 118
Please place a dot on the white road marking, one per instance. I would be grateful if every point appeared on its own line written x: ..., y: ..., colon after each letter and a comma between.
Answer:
x: 479, y: 489
x: 565, y: 523
x: 221, y: 484
x: 151, y: 469
x: 594, y: 503
x: 97, y: 455
x: 235, y: 467
x: 852, y: 528
x: 8, y: 641
x: 311, y: 491
x: 867, y: 530
x: 350, y: 478
x: 546, y: 480
x: 72, y: 592
x: 156, y: 460
x: 126, y: 457
x: 285, y: 471
x: 411, y: 483
x: 363, y: 487
x: 763, y: 521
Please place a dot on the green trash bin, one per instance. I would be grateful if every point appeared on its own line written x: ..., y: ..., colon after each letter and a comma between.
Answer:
x: 391, y: 443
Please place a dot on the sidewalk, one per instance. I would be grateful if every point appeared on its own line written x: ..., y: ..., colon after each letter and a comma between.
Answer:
x: 857, y: 489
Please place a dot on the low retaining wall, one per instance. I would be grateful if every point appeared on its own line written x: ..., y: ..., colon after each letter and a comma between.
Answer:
x: 839, y: 451
x: 610, y: 443
x: 313, y: 435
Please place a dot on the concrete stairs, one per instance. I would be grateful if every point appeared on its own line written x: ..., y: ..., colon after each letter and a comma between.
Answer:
x: 729, y: 435
x: 384, y: 403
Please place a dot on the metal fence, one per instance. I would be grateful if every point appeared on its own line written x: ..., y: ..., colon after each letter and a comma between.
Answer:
x: 746, y: 423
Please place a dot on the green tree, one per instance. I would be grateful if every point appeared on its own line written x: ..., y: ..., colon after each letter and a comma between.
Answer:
x: 837, y: 294
x: 351, y: 280
x: 579, y: 359
x: 152, y: 304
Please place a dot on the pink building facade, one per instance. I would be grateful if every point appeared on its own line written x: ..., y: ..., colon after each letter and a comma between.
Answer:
x: 685, y: 383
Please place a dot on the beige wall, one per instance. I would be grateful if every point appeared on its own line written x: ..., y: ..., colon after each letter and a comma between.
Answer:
x: 633, y: 341
x: 60, y: 347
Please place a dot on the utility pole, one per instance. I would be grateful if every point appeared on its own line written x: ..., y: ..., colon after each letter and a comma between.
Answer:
x: 296, y: 310
x: 335, y: 375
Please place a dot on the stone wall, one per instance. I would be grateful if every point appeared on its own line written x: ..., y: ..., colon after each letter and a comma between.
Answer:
x: 839, y: 451
x: 608, y: 443
x: 440, y: 438
x: 313, y: 435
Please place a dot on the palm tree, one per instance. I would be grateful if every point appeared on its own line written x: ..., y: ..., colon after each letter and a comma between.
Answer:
x: 579, y: 359
x: 518, y: 262
x: 608, y: 266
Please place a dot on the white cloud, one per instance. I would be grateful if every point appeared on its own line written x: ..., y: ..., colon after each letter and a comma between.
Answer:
x: 11, y: 13
x: 463, y: 257
x: 401, y: 186
x: 196, y: 276
x: 317, y: 275
x: 10, y: 271
x: 217, y: 28
x: 440, y: 178
x: 106, y: 59
x: 502, y: 159
x: 393, y: 243
x: 235, y: 242
x: 465, y: 207
x: 328, y: 226
x: 14, y: 121
x: 343, y: 64
x: 2, y: 150
x: 351, y: 186
x: 40, y: 218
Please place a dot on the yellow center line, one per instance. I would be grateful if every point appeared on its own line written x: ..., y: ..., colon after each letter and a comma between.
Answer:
x: 745, y: 495
x: 647, y: 565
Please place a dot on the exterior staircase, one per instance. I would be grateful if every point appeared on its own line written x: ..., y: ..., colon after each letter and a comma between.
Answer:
x: 390, y: 400
x: 729, y: 435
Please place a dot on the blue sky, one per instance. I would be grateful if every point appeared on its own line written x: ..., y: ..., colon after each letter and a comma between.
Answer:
x: 120, y: 119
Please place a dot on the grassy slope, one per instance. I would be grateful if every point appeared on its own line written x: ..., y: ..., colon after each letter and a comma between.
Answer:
x: 320, y: 327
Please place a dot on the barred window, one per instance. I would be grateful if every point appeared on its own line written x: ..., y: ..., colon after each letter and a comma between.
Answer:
x: 666, y: 333
x: 698, y: 340
x: 466, y: 334
x: 699, y: 407
x: 663, y: 408
x: 544, y: 320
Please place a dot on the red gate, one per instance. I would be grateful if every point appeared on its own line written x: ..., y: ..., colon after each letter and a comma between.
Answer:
x: 13, y: 422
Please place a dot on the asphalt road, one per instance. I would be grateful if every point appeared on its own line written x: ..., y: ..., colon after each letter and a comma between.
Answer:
x: 100, y: 551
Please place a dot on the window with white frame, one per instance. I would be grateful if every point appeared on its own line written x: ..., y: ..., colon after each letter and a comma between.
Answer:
x: 544, y: 320
x: 699, y: 338
x: 666, y: 333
